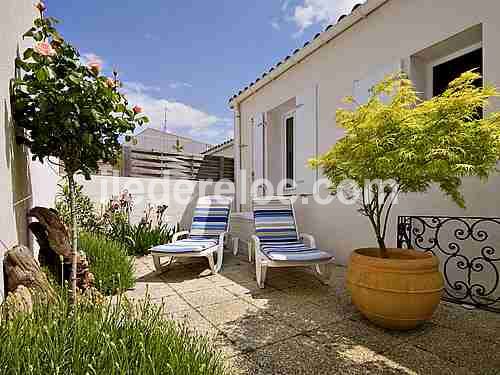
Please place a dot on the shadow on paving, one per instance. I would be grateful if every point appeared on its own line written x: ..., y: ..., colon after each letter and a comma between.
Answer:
x: 296, y: 325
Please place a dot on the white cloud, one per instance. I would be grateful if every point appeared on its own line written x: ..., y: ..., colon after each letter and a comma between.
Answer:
x: 139, y: 87
x: 275, y: 24
x: 176, y: 85
x: 182, y: 118
x: 86, y: 58
x: 311, y: 12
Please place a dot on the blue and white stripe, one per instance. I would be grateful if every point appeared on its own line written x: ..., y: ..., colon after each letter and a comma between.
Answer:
x: 210, y: 219
x: 276, y: 229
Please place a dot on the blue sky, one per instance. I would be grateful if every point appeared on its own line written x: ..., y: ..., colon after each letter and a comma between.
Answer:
x: 190, y: 56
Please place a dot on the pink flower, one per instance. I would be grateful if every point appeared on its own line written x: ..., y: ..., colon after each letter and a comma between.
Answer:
x: 95, y: 66
x: 44, y: 49
x: 137, y: 109
x: 40, y: 6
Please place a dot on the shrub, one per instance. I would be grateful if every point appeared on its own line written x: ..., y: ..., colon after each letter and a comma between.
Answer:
x: 102, y: 339
x: 109, y: 262
x: 118, y: 228
x: 147, y: 235
x: 84, y: 208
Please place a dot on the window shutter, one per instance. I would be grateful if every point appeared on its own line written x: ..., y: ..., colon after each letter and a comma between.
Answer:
x: 362, y: 87
x: 258, y: 129
x: 306, y: 128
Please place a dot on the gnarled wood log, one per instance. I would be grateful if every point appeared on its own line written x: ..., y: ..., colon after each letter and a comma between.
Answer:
x: 57, y: 235
x: 23, y: 274
x: 54, y: 240
x: 18, y: 301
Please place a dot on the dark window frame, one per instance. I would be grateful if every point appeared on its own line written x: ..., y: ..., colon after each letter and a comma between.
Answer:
x: 289, y: 149
x: 451, y: 69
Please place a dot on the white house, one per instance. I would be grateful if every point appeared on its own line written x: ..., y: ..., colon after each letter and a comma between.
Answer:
x: 287, y: 115
x: 152, y: 139
x: 225, y: 149
x: 23, y: 183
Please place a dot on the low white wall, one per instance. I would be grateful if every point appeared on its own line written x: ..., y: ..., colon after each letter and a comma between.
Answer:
x: 339, y: 228
x: 179, y: 195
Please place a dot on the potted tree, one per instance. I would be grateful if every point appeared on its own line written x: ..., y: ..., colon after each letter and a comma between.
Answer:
x: 397, y: 143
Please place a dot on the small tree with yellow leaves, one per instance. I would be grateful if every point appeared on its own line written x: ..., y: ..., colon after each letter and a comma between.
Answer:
x: 414, y: 144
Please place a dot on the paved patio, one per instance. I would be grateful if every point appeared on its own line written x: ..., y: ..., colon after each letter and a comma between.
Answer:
x: 298, y: 326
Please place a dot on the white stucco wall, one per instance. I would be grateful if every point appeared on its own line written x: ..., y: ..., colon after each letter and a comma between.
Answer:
x: 396, y: 31
x: 23, y: 183
x: 179, y: 195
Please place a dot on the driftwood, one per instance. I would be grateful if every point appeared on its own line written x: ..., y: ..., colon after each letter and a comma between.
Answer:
x: 21, y: 268
x: 18, y: 301
x: 54, y: 240
x: 26, y: 282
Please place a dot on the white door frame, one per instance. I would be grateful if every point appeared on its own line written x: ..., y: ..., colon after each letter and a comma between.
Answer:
x: 284, y: 118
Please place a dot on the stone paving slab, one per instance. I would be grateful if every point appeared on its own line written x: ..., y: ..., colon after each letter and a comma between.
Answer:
x: 231, y: 311
x: 346, y: 334
x: 480, y: 323
x: 172, y: 304
x: 208, y: 297
x: 412, y: 360
x: 296, y: 325
x: 247, y: 288
x: 194, y: 321
x: 461, y: 349
x: 256, y: 331
x: 293, y: 356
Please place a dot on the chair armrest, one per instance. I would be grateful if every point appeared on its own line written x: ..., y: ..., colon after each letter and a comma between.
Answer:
x: 308, y: 239
x: 256, y: 242
x: 222, y: 237
x: 180, y: 234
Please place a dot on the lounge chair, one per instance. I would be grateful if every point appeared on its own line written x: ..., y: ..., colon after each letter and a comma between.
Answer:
x: 277, y: 242
x: 206, y: 237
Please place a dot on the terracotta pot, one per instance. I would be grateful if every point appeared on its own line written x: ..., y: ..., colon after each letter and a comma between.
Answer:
x: 399, y: 292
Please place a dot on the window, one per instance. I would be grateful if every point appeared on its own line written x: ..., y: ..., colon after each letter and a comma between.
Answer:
x: 289, y: 150
x: 446, y: 72
x: 434, y: 67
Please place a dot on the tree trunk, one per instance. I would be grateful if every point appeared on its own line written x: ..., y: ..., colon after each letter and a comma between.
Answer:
x: 383, y: 248
x: 74, y: 234
x: 375, y: 222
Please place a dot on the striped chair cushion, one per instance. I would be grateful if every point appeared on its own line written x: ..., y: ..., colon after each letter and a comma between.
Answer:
x: 275, y: 227
x: 274, y: 221
x: 293, y: 251
x: 210, y: 218
x: 185, y: 246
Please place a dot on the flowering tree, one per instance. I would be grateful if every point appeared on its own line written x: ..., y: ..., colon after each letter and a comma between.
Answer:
x: 71, y: 115
x: 414, y: 144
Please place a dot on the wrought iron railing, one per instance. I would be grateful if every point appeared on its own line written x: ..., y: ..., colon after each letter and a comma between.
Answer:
x: 469, y: 253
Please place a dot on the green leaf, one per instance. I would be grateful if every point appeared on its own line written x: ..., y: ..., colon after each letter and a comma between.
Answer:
x: 29, y: 33
x: 74, y: 79
x: 38, y: 36
x: 42, y: 74
x: 28, y: 53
